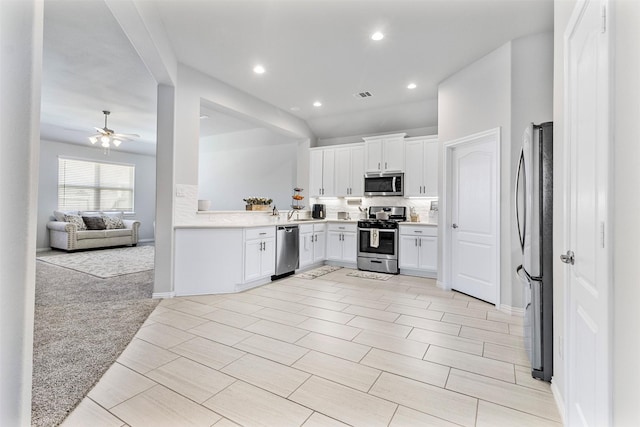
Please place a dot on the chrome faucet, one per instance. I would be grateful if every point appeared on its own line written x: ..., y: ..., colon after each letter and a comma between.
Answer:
x: 290, y: 214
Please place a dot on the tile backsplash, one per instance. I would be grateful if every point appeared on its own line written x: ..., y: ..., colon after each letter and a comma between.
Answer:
x: 423, y: 207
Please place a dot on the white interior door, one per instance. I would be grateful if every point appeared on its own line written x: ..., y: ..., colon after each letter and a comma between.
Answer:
x: 474, y: 223
x: 586, y: 222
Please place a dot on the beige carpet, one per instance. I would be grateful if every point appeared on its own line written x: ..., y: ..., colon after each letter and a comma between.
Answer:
x: 82, y: 324
x: 105, y: 263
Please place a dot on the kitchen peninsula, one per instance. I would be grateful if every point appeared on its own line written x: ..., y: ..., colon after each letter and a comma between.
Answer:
x: 228, y: 252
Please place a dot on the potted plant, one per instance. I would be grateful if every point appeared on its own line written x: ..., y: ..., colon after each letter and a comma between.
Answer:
x: 257, y: 203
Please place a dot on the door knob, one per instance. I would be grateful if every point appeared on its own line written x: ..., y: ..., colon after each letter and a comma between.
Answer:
x: 455, y: 226
x: 568, y: 258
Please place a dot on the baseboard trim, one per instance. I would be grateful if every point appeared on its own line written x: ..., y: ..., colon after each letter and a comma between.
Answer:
x: 557, y: 396
x: 146, y: 240
x: 429, y: 274
x: 512, y: 311
x: 163, y: 295
x: 442, y: 285
x: 38, y: 250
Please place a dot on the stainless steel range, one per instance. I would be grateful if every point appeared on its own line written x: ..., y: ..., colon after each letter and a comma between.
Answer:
x: 378, y: 239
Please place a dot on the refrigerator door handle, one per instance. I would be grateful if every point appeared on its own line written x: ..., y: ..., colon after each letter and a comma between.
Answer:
x: 520, y: 224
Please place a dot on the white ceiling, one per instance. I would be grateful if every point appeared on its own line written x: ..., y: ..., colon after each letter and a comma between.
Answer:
x: 311, y: 49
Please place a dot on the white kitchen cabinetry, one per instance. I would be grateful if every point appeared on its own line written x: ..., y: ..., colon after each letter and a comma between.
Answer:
x: 208, y: 261
x: 349, y: 171
x: 418, y: 250
x: 384, y: 153
x: 421, y: 166
x: 260, y: 253
x: 342, y: 243
x: 312, y: 244
x: 322, y: 172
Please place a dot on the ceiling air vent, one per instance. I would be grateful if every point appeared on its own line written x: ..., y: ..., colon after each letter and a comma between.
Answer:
x: 365, y: 94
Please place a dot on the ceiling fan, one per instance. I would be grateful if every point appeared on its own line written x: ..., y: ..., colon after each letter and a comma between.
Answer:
x: 108, y: 136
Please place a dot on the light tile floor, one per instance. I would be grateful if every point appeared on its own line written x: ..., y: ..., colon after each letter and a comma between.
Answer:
x: 332, y: 351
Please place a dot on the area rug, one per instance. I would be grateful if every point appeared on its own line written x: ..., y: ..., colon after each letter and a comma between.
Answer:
x: 317, y: 272
x: 106, y: 263
x: 370, y: 275
x: 82, y: 324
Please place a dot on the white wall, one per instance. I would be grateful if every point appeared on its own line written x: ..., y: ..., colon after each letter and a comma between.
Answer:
x: 145, y: 183
x: 252, y: 163
x: 476, y: 99
x: 21, y: 24
x: 626, y: 201
x: 509, y: 88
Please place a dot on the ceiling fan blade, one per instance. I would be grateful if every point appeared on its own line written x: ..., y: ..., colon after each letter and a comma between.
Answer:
x: 127, y: 135
x: 102, y: 131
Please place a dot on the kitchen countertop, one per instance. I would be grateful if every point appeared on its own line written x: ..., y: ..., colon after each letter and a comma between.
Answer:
x: 271, y: 221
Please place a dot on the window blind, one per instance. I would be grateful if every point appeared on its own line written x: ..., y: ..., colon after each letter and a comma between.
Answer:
x: 94, y: 186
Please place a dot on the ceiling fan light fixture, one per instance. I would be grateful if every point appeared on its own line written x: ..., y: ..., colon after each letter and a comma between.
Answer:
x: 107, y: 136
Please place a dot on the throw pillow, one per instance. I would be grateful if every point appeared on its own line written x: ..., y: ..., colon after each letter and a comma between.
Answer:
x: 59, y: 215
x: 112, y: 222
x: 77, y: 220
x: 94, y: 222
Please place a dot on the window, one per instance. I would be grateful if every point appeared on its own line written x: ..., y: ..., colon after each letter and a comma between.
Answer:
x: 93, y: 186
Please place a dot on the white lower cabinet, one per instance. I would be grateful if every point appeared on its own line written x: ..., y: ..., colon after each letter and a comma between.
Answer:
x: 312, y: 244
x: 342, y: 243
x: 259, y: 253
x: 208, y: 261
x: 418, y: 253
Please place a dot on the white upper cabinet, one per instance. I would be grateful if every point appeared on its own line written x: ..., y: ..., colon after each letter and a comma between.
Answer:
x: 321, y: 172
x: 421, y: 166
x: 349, y: 171
x: 384, y: 153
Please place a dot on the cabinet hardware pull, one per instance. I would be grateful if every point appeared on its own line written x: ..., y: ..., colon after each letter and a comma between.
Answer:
x: 262, y: 234
x: 379, y: 165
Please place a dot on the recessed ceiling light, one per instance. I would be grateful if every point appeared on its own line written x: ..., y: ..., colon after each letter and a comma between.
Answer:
x: 411, y: 86
x: 258, y: 69
x: 377, y: 36
x: 204, y: 116
x: 317, y: 104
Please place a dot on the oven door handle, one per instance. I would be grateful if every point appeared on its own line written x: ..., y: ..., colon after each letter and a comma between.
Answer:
x: 380, y: 230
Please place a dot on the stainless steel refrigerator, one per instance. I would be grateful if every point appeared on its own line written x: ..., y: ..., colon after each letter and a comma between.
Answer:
x: 534, y: 217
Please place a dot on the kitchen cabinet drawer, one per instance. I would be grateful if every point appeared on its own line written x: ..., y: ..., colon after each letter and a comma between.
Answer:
x: 260, y: 233
x: 343, y: 227
x: 418, y: 230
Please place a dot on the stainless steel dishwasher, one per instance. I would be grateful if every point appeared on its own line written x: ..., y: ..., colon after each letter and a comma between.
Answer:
x: 287, y: 250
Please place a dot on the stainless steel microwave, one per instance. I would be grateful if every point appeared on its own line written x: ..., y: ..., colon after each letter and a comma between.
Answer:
x: 384, y: 184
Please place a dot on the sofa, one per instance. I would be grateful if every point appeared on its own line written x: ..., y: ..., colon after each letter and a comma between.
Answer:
x: 75, y: 230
